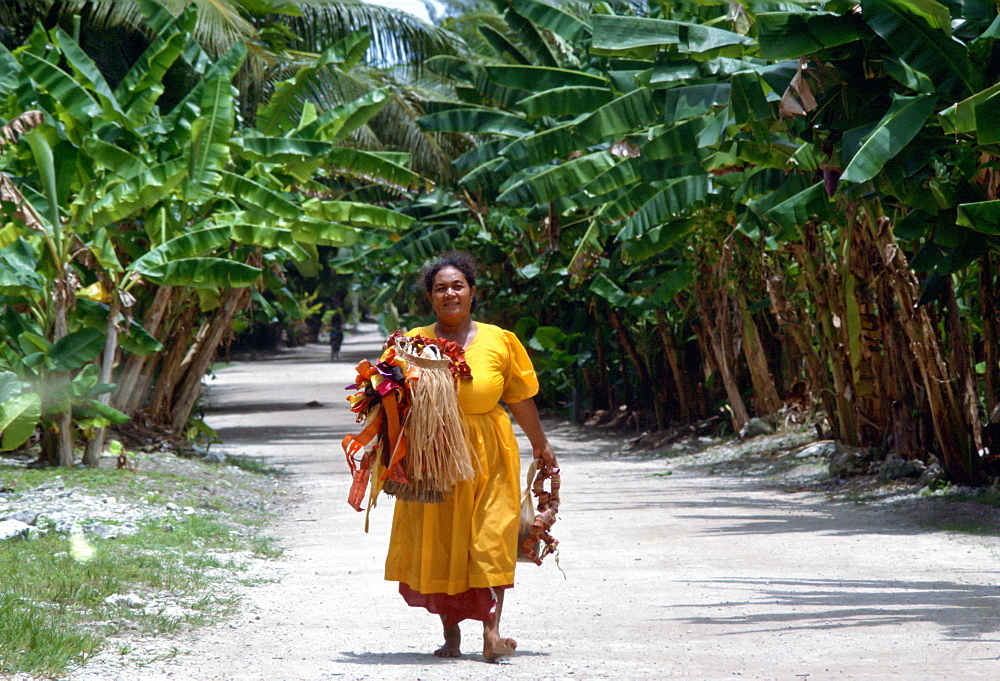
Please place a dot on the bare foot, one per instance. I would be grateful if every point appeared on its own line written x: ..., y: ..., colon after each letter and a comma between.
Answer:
x: 495, y: 647
x: 452, y: 643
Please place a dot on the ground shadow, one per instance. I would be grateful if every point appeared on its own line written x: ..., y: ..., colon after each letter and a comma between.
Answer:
x: 963, y: 611
x: 262, y: 407
x: 269, y: 435
x: 425, y: 659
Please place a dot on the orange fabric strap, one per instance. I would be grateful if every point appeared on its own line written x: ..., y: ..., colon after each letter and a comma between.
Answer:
x: 397, y: 444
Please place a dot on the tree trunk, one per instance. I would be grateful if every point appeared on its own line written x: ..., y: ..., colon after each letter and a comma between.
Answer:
x: 603, y: 378
x: 680, y: 382
x: 202, y: 354
x: 959, y: 457
x: 92, y: 454
x: 988, y: 301
x: 625, y: 341
x: 171, y: 370
x: 802, y: 334
x: 960, y: 361
x: 713, y: 322
x: 833, y: 340
x: 905, y: 391
x: 765, y: 394
x: 64, y: 441
x: 134, y: 382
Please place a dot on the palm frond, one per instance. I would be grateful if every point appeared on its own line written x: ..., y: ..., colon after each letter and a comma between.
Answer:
x: 397, y: 36
x: 220, y: 24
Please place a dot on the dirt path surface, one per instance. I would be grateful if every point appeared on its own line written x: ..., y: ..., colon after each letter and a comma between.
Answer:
x: 691, y: 575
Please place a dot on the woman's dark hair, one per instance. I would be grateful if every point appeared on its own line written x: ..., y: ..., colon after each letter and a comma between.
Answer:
x: 463, y: 262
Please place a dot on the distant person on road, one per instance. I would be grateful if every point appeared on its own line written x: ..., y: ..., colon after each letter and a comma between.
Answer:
x: 336, y: 336
x: 456, y: 558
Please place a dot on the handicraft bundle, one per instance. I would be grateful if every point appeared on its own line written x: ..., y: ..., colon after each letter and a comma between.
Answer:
x: 534, y: 541
x: 413, y: 446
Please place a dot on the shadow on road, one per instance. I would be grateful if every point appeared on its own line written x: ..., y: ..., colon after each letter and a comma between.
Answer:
x: 963, y: 611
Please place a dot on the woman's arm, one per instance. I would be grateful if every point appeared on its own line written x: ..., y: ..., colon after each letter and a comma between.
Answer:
x: 526, y: 414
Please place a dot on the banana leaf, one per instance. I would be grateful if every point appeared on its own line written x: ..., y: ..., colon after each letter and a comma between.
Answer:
x: 809, y: 205
x: 538, y: 78
x: 88, y: 407
x: 487, y: 175
x: 264, y: 236
x: 609, y: 291
x: 134, y: 338
x: 187, y: 245
x: 18, y: 270
x: 656, y: 241
x: 210, y: 133
x: 748, y: 99
x: 256, y: 196
x: 135, y: 194
x: 143, y: 83
x: 561, y: 180
x: 624, y: 173
x: 75, y: 349
x: 563, y: 24
x: 456, y: 68
x: 357, y: 214
x: 503, y: 47
x: 316, y: 232
x: 961, y: 116
x: 112, y: 157
x: 988, y: 120
x: 624, y: 114
x: 673, y: 141
x: 673, y: 200
x: 102, y: 247
x: 202, y: 273
x: 544, y: 147
x: 479, y: 121
x: 85, y: 68
x: 565, y: 101
x: 533, y: 37
x: 279, y: 114
x: 18, y: 417
x: 337, y: 124
x: 10, y: 71
x: 279, y: 149
x: 790, y: 35
x: 905, y: 118
x: 642, y: 37
x: 919, y: 32
x: 983, y: 216
x: 373, y: 166
x: 694, y: 100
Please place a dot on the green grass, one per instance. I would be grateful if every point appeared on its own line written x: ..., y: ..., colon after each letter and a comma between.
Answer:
x: 252, y: 465
x: 53, y: 614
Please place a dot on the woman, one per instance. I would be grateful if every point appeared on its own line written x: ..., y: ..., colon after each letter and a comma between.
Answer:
x: 456, y: 558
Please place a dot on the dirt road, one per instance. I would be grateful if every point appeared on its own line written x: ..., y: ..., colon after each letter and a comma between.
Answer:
x: 682, y: 576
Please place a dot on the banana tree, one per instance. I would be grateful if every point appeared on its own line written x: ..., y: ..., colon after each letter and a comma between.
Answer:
x: 816, y: 135
x: 194, y: 227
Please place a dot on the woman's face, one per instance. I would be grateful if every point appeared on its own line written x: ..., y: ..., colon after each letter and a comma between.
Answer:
x: 451, y: 295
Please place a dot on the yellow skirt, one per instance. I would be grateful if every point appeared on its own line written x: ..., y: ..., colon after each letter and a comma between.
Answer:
x: 470, y: 539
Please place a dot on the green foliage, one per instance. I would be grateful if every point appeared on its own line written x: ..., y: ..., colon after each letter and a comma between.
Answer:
x: 54, y: 616
x: 124, y: 194
x: 635, y: 168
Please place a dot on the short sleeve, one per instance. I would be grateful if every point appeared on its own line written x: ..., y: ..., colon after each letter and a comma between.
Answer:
x: 520, y: 381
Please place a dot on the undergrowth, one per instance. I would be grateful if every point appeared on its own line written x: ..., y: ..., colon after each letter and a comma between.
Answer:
x: 182, y: 569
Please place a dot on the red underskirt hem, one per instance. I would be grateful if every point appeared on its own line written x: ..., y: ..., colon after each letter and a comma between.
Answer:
x: 474, y: 604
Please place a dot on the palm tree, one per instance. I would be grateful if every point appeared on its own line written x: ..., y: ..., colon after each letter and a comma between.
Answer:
x: 281, y: 37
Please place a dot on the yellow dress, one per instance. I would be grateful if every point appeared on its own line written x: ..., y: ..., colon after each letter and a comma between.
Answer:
x: 470, y: 540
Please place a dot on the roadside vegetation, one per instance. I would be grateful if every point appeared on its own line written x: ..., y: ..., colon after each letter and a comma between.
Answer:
x: 183, y: 539
x: 715, y: 212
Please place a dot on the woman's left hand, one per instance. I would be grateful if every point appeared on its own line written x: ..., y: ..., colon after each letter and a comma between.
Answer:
x: 544, y: 454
